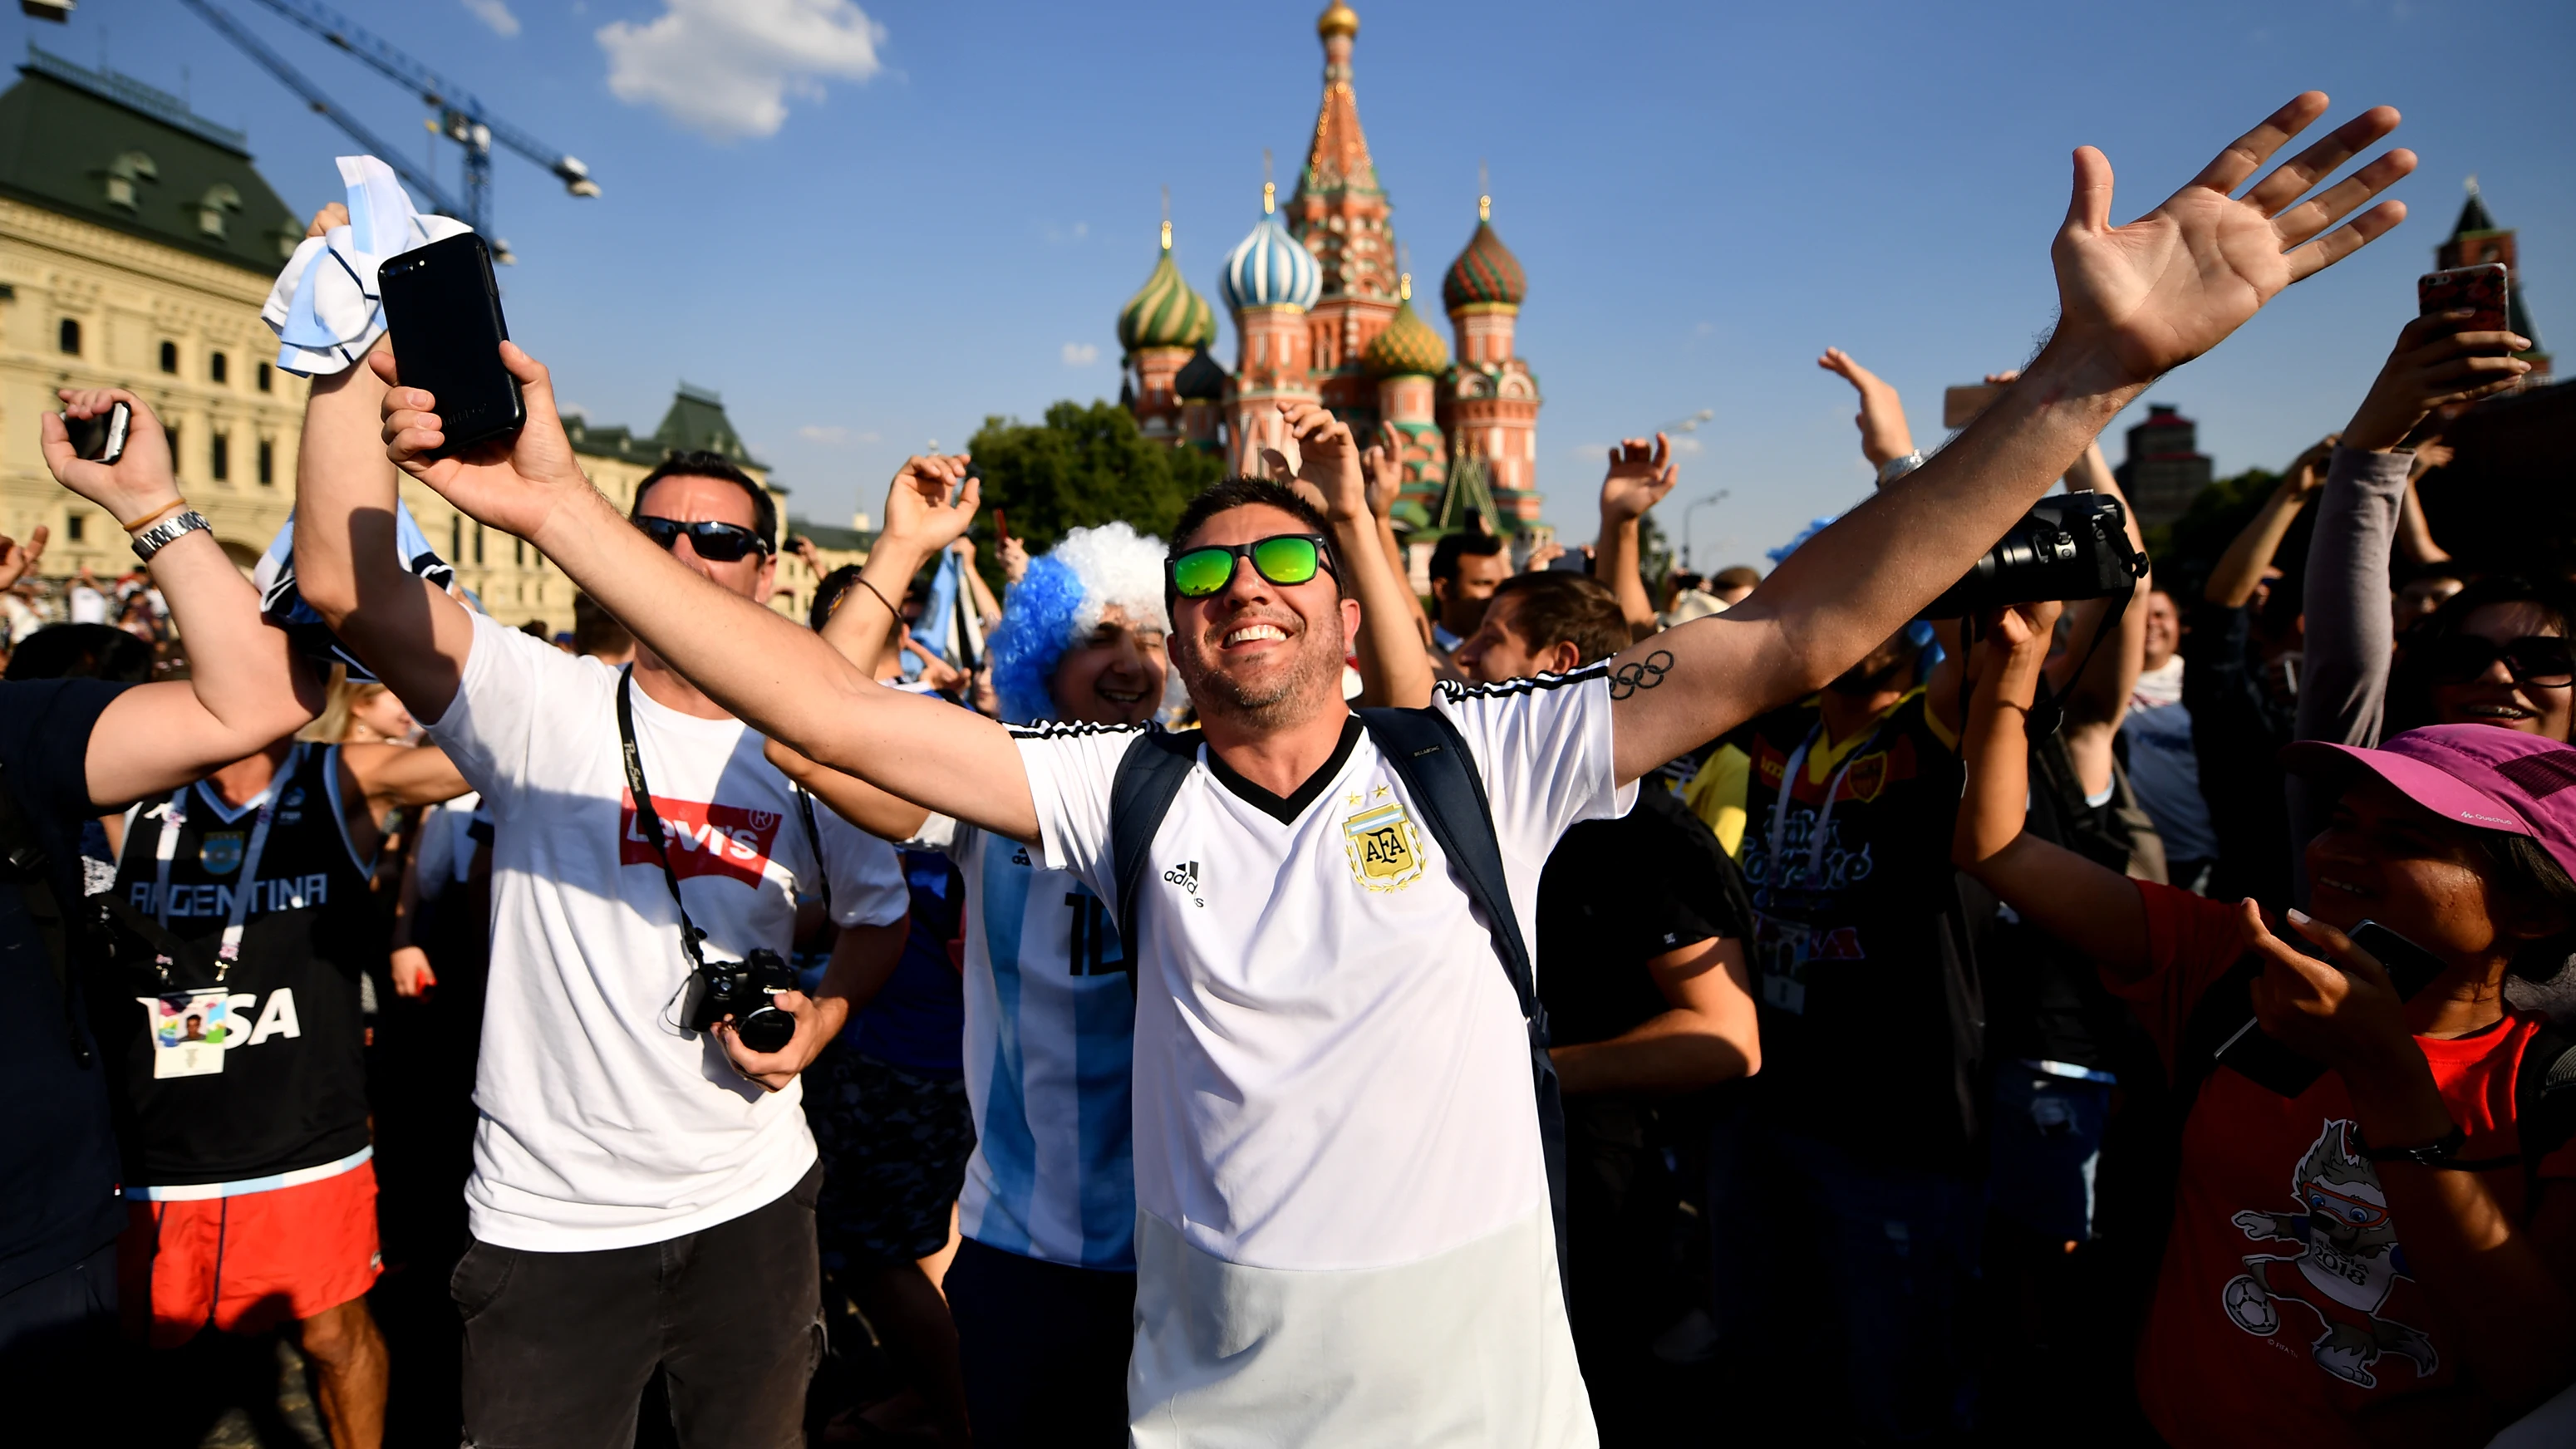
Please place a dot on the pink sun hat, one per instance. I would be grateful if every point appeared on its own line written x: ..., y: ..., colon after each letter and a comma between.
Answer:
x: 2495, y: 779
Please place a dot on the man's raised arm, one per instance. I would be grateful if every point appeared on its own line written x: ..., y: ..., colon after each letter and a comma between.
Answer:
x: 785, y: 681
x: 412, y: 635
x: 243, y: 689
x: 2134, y: 302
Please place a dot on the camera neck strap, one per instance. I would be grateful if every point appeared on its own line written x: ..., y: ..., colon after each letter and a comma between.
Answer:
x: 650, y: 818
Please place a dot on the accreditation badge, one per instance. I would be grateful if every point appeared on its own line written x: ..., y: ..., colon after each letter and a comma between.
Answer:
x: 1781, y: 949
x: 190, y: 1030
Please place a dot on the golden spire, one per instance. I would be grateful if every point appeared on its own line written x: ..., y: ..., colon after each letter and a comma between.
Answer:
x: 1337, y: 19
x: 1269, y: 188
x: 1404, y: 287
x: 1167, y: 218
x: 1484, y: 208
x: 1484, y: 193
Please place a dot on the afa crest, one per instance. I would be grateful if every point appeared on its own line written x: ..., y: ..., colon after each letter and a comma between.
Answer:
x: 1385, y: 850
x: 221, y: 854
x: 1868, y: 776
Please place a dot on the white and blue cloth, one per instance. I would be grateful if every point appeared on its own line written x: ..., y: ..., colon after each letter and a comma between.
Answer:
x: 326, y: 308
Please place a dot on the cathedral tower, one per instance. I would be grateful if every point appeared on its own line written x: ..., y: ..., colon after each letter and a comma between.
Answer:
x: 1161, y: 328
x: 1270, y: 282
x: 1489, y: 403
x: 1340, y: 212
x: 2476, y: 241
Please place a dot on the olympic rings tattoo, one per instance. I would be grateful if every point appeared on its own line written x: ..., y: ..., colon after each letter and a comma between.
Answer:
x: 1645, y: 673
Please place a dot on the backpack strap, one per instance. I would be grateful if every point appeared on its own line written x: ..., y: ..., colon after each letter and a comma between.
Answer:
x: 1149, y: 778
x: 1426, y: 751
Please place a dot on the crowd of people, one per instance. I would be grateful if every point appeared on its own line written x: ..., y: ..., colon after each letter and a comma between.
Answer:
x: 1235, y: 999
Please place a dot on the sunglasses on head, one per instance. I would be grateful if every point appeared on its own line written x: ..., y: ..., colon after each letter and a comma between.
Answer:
x: 1282, y: 558
x: 714, y: 542
x: 2541, y: 659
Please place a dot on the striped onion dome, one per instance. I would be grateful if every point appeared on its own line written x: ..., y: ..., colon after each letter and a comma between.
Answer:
x: 1166, y: 311
x: 1485, y: 272
x: 1408, y: 345
x: 1270, y: 268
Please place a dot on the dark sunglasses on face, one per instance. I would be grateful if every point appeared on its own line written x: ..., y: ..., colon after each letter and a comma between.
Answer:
x: 1282, y: 558
x: 2540, y: 659
x: 714, y: 542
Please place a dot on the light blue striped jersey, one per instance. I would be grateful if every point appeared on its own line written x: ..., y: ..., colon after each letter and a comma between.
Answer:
x: 1050, y: 1035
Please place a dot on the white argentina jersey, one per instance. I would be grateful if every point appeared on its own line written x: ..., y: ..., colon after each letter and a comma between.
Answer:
x: 1050, y: 1028
x: 1343, y: 1232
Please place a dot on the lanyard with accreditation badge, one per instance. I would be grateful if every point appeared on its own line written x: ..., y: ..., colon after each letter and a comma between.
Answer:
x: 1784, y: 963
x: 190, y: 1029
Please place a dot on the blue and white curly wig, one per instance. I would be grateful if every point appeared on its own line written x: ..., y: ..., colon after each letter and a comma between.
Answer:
x: 1059, y: 602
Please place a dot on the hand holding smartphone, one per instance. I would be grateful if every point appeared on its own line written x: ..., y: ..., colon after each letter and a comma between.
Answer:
x: 2262, y: 1057
x: 443, y: 310
x: 2482, y: 289
x: 100, y: 439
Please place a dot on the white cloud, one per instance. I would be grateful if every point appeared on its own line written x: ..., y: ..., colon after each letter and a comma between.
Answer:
x: 1080, y: 354
x: 816, y: 433
x: 1683, y: 447
x: 724, y: 68
x: 495, y: 13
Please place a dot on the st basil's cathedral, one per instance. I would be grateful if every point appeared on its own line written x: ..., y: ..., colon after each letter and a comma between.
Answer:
x: 1323, y: 312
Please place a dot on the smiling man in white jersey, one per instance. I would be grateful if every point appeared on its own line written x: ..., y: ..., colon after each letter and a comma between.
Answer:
x: 1343, y: 1231
x: 1043, y: 1288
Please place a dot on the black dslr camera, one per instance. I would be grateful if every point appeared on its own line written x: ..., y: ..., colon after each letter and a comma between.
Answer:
x: 743, y: 990
x: 2069, y: 547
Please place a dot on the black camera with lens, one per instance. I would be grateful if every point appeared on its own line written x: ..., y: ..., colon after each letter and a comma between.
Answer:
x: 745, y: 990
x: 2069, y: 547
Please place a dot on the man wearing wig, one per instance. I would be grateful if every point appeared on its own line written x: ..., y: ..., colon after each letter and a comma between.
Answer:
x: 1043, y: 1288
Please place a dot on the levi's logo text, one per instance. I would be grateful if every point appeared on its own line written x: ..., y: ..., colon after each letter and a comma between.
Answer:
x: 719, y: 840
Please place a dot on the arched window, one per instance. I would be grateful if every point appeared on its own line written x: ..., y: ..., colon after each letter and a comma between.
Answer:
x: 69, y: 338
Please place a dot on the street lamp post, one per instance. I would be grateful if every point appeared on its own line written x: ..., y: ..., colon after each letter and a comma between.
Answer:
x: 1692, y: 511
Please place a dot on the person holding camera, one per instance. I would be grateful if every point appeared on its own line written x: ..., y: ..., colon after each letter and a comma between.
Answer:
x: 644, y: 1179
x: 70, y: 750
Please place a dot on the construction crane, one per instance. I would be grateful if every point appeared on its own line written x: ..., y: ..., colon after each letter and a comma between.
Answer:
x: 461, y: 117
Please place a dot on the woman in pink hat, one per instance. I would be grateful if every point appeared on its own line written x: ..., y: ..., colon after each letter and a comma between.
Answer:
x: 2381, y: 1244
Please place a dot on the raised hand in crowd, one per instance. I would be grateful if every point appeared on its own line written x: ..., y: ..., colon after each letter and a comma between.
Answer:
x: 17, y: 560
x: 2241, y: 571
x: 244, y: 689
x: 1014, y: 556
x: 1543, y: 556
x: 929, y: 506
x: 1329, y: 473
x: 1384, y: 461
x: 2433, y: 366
x: 1641, y: 474
x: 1884, y: 437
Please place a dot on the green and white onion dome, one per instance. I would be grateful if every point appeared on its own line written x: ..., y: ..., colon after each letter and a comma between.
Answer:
x: 1166, y: 311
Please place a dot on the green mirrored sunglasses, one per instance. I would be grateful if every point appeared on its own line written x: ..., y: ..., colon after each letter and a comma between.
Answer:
x: 1282, y: 558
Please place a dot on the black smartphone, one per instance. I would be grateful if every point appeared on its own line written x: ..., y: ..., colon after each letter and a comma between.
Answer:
x: 2260, y: 1057
x: 444, y: 311
x: 100, y: 439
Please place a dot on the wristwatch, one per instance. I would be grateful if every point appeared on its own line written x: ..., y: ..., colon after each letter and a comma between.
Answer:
x: 161, y: 535
x: 2436, y: 1153
x: 1895, y: 468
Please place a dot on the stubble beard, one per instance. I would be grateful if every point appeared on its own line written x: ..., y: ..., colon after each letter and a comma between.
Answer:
x: 1284, y: 700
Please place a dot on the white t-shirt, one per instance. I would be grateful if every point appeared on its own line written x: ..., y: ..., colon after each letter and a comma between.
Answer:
x: 1332, y: 1073
x: 604, y: 1125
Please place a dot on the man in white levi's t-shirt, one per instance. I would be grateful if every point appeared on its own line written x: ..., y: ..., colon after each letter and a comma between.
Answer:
x: 643, y: 1193
x: 1343, y: 1232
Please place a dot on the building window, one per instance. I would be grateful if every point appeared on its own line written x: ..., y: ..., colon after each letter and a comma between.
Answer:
x: 171, y: 432
x: 263, y: 377
x: 218, y: 369
x: 478, y: 543
x: 456, y: 539
x: 267, y: 461
x: 169, y: 357
x: 219, y: 458
x: 69, y: 337
x: 72, y: 525
x: 519, y: 554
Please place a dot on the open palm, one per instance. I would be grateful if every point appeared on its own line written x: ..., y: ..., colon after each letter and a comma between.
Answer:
x: 2152, y: 295
x: 1640, y: 474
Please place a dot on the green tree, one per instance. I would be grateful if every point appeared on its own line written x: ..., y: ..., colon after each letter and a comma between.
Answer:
x: 2187, y: 549
x: 1084, y: 466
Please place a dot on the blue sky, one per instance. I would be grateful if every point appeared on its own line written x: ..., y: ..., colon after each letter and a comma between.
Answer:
x: 871, y: 228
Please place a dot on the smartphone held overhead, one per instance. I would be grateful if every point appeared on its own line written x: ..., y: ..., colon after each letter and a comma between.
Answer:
x: 2481, y: 289
x: 100, y: 439
x: 443, y: 311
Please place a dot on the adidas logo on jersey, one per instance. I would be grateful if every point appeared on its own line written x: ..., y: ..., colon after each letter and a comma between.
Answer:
x: 1184, y: 875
